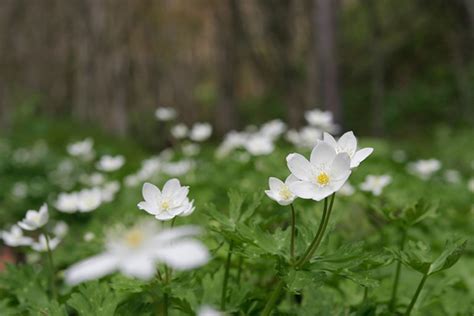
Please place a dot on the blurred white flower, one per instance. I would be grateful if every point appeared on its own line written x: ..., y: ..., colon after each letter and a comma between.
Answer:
x: 347, y: 143
x: 324, y: 174
x: 179, y: 168
x: 258, y: 145
x: 42, y: 245
x: 14, y: 237
x: 67, y: 202
x: 136, y: 251
x: 60, y: 229
x: 273, y: 129
x: 191, y: 149
x: 347, y: 189
x: 307, y: 137
x: 109, y: 190
x: 93, y: 179
x: 35, y: 219
x: 280, y: 191
x: 470, y: 185
x: 132, y: 180
x: 452, y: 176
x: 165, y: 114
x: 20, y: 190
x: 321, y: 119
x: 89, y: 199
x: 165, y: 205
x: 89, y: 236
x: 83, y: 149
x: 424, y: 169
x: 179, y: 131
x: 232, y: 140
x: 200, y: 132
x: 109, y: 163
x: 375, y: 183
x: 207, y: 310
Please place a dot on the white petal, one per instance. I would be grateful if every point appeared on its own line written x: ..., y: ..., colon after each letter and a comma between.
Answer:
x: 147, y: 207
x: 303, y: 189
x: 299, y: 166
x: 170, y: 187
x: 341, y: 165
x: 275, y: 184
x: 348, y: 141
x: 164, y: 216
x: 322, y: 155
x: 360, y: 156
x: 322, y: 192
x: 141, y: 267
x: 327, y: 138
x: 290, y: 179
x: 150, y: 193
x: 175, y: 233
x: 91, y: 269
x: 185, y: 254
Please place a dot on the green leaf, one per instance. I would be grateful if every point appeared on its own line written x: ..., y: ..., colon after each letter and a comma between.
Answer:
x: 453, y: 250
x: 236, y: 200
x: 94, y: 298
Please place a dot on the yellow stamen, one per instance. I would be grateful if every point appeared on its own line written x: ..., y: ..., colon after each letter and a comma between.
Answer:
x: 322, y: 178
x: 165, y: 205
x: 285, y: 193
x: 134, y: 238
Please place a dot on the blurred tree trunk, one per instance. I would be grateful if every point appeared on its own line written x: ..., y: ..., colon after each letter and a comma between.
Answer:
x: 377, y: 68
x: 227, y: 63
x: 325, y: 14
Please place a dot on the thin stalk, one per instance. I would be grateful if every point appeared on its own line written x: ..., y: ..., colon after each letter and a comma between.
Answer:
x: 226, y: 276
x: 51, y: 266
x: 417, y: 293
x: 293, y: 233
x: 239, y: 270
x: 273, y: 298
x: 164, y: 310
x: 320, y: 234
x: 393, y: 300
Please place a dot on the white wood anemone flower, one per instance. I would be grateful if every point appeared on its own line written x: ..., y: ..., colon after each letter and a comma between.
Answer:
x: 165, y: 114
x: 347, y: 143
x: 35, y: 219
x: 280, y: 191
x: 375, y: 184
x: 324, y: 174
x: 15, y: 238
x: 200, y: 132
x: 109, y: 163
x: 41, y: 245
x: 135, y: 252
x: 172, y: 201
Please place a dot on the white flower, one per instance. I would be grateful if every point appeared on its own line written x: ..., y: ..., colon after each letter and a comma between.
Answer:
x: 109, y: 163
x: 347, y: 143
x: 165, y: 205
x: 20, y: 190
x: 191, y: 149
x: 89, y: 199
x: 258, y: 145
x: 232, y: 140
x: 35, y: 219
x: 452, y: 176
x: 321, y: 119
x: 347, y: 189
x: 60, y: 229
x: 424, y: 169
x: 279, y: 191
x: 375, y: 184
x: 178, y: 168
x: 273, y: 129
x: 207, y: 310
x: 324, y: 174
x: 165, y: 114
x: 89, y: 236
x: 93, y: 179
x: 15, y: 237
x: 179, y: 131
x: 82, y: 149
x: 200, y: 132
x: 470, y: 185
x: 135, y: 252
x: 307, y: 137
x: 41, y: 245
x: 67, y: 202
x: 109, y: 190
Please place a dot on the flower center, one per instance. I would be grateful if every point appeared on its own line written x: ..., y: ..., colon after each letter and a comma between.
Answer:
x: 285, y: 193
x: 165, y: 205
x: 134, y: 238
x: 322, y: 179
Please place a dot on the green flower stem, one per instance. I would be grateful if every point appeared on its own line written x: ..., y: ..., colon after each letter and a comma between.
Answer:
x: 293, y: 232
x: 226, y: 276
x: 417, y: 293
x: 320, y: 233
x: 273, y: 298
x: 393, y: 300
x: 51, y: 266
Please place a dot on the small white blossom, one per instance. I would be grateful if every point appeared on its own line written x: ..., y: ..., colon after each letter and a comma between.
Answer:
x: 273, y: 129
x: 424, y: 169
x: 136, y: 251
x: 347, y: 189
x: 179, y: 168
x: 109, y: 190
x: 42, y: 244
x: 375, y: 184
x: 452, y: 176
x: 165, y: 114
x: 67, y: 202
x: 191, y: 149
x: 20, y: 190
x: 200, y: 132
x: 61, y: 229
x: 83, y: 149
x: 35, y: 219
x: 89, y: 200
x: 207, y: 310
x: 258, y: 145
x: 321, y: 119
x: 109, y: 163
x: 14, y: 237
x: 324, y: 174
x: 179, y: 131
x: 347, y: 143
x: 93, y: 179
x: 89, y: 236
x: 470, y: 185
x: 172, y: 201
x: 280, y: 191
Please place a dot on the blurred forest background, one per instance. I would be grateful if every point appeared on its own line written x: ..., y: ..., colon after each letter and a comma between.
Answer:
x: 383, y: 67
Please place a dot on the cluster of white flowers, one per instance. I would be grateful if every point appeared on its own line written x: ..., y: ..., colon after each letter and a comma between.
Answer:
x: 323, y: 120
x: 83, y: 149
x: 424, y: 169
x: 87, y: 200
x: 330, y: 165
x: 199, y: 132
